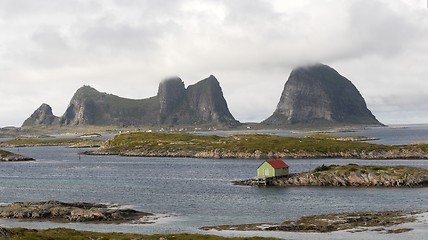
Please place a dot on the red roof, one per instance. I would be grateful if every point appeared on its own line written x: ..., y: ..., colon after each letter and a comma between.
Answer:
x: 277, y: 163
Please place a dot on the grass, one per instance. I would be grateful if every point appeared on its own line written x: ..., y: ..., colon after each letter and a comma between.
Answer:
x: 69, y: 234
x: 5, y: 153
x: 373, y: 169
x: 238, y: 143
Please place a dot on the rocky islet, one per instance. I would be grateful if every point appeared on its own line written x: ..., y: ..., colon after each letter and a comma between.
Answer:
x: 71, y: 212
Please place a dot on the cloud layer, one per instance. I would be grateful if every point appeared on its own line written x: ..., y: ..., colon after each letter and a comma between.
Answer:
x: 50, y: 48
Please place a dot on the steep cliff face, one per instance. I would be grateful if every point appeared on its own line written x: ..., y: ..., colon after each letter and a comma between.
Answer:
x: 318, y: 94
x: 43, y: 116
x: 200, y: 104
x: 171, y: 94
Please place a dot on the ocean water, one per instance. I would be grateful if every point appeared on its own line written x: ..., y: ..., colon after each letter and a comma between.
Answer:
x: 394, y: 134
x: 191, y: 193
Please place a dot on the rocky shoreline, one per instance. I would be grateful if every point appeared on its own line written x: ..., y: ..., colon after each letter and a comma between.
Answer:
x: 72, y: 212
x: 6, y: 156
x: 353, y: 175
x: 358, y: 221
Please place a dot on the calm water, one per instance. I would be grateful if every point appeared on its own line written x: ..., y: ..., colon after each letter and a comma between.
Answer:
x: 191, y: 192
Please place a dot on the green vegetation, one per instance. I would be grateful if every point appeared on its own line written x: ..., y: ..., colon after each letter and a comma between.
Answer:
x: 324, y: 168
x: 237, y: 143
x: 69, y: 234
x: 73, y: 142
x: 253, y: 146
x: 5, y: 153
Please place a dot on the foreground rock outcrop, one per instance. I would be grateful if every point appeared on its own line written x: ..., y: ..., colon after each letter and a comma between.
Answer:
x: 318, y: 95
x: 353, y: 175
x: 71, y: 212
x: 6, y: 156
x: 200, y: 104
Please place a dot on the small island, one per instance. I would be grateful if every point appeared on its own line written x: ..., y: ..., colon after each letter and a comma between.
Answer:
x: 72, y: 212
x: 352, y: 222
x: 6, y: 156
x: 352, y: 175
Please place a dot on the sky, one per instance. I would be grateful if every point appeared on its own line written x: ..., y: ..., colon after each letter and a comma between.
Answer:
x: 50, y: 48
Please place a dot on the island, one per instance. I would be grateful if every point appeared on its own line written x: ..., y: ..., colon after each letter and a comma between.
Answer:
x: 352, y: 222
x: 352, y: 175
x: 6, y: 156
x: 72, y: 212
x: 254, y: 146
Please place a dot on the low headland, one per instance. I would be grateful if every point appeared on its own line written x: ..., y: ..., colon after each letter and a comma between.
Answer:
x: 352, y: 222
x: 352, y: 175
x: 254, y: 146
x: 72, y: 212
x: 65, y: 142
x: 6, y: 156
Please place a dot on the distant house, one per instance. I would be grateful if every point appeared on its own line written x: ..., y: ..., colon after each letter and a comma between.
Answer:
x: 272, y: 168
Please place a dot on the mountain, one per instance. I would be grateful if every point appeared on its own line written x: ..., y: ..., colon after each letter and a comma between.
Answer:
x: 200, y: 103
x: 174, y: 105
x: 91, y: 107
x: 42, y: 116
x: 318, y: 95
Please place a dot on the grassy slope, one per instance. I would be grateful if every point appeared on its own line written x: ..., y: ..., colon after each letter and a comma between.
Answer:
x: 69, y: 234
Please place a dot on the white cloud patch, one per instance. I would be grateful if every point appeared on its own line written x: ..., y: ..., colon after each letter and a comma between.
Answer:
x: 50, y: 48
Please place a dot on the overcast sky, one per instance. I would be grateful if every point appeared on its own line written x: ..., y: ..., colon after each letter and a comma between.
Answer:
x: 50, y: 48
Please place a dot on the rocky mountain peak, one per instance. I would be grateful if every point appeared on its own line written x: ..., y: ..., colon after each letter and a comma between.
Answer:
x: 171, y: 92
x: 200, y: 104
x: 42, y: 116
x: 319, y: 95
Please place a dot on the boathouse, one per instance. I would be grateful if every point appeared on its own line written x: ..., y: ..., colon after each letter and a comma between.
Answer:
x: 272, y: 168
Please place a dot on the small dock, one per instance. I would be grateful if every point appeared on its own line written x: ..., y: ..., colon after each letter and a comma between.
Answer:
x: 259, y: 181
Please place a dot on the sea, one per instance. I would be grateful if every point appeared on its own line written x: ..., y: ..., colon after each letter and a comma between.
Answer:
x: 186, y: 194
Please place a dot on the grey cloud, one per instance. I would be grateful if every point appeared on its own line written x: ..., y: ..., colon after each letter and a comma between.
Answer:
x: 126, y: 47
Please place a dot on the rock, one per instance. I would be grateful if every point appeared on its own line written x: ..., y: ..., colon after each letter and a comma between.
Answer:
x: 73, y: 212
x: 4, y: 233
x: 318, y: 95
x: 200, y: 104
x: 171, y: 94
x: 43, y: 116
x: 353, y: 175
